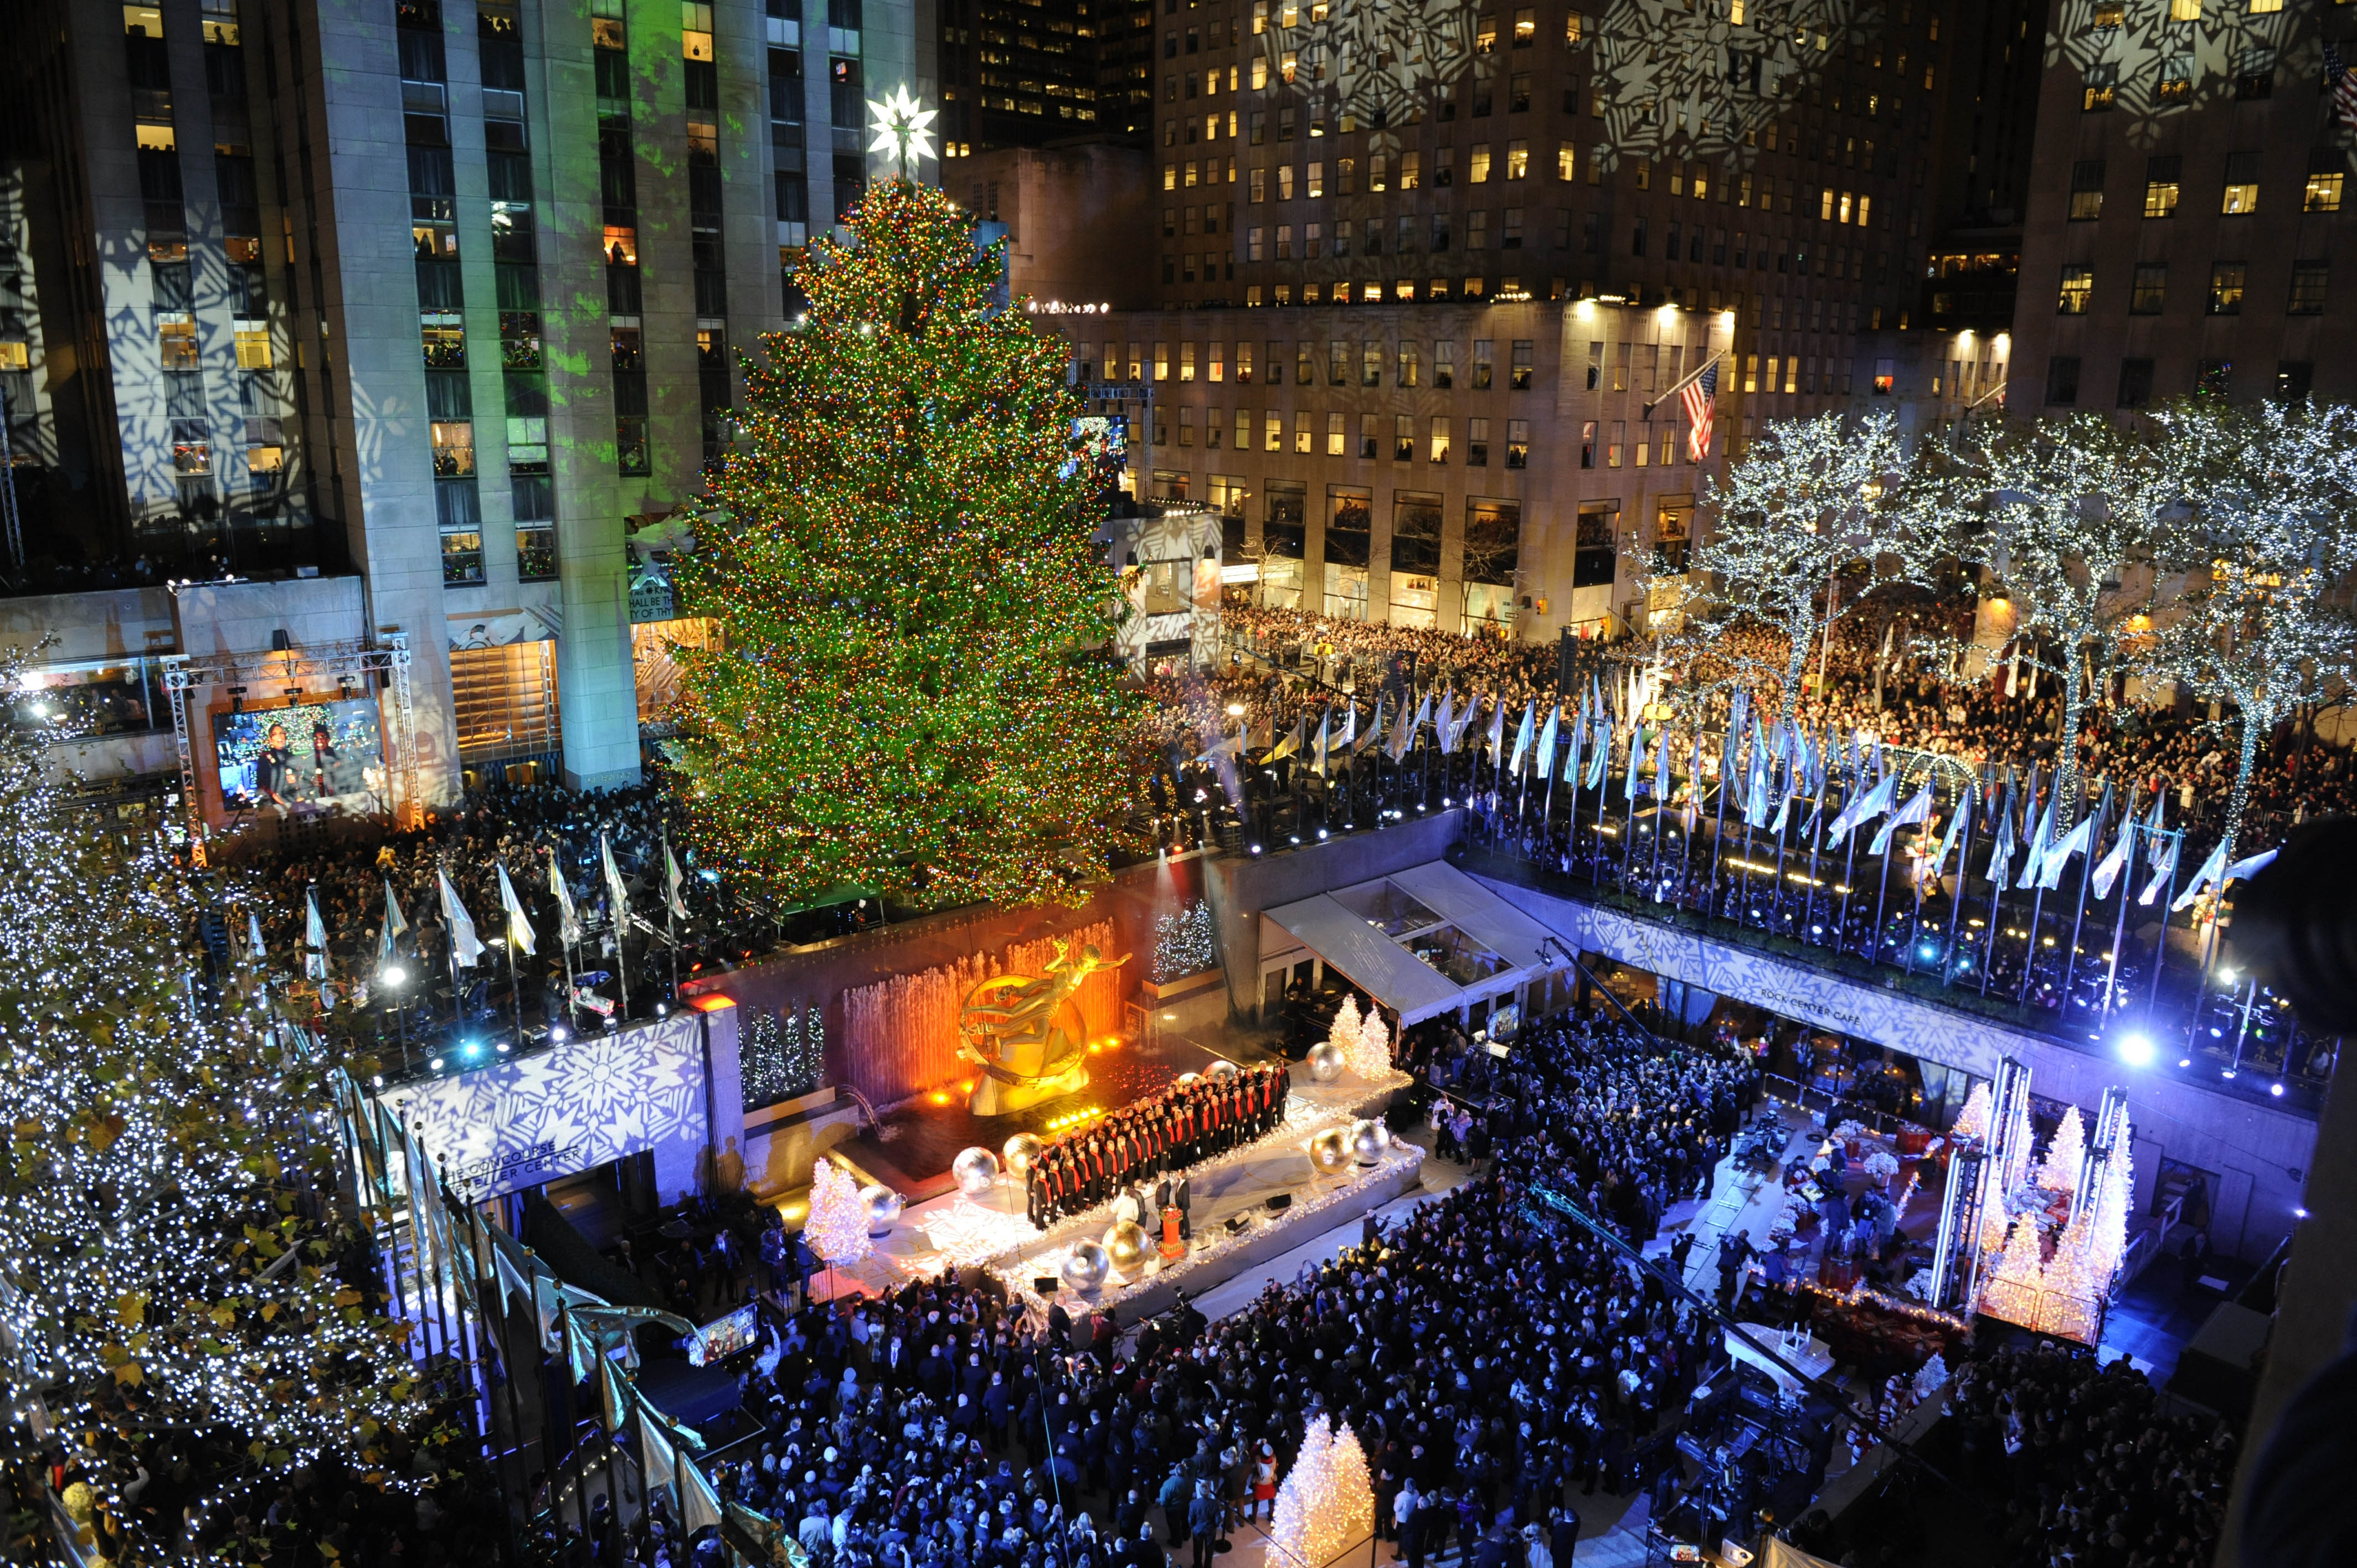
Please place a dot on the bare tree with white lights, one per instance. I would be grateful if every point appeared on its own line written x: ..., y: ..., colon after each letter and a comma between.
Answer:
x: 2263, y: 624
x: 1804, y: 528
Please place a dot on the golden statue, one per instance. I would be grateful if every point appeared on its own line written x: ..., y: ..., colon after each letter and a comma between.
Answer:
x: 1026, y: 1035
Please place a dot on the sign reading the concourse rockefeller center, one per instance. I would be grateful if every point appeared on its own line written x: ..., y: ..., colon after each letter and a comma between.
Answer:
x: 571, y: 1107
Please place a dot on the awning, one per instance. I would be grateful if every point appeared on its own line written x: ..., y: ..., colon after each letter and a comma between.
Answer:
x: 1423, y: 941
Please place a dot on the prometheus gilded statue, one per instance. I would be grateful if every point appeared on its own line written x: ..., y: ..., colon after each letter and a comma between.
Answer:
x: 1026, y: 1033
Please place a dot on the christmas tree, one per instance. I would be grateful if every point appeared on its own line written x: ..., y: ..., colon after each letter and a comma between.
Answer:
x: 837, y: 1227
x: 1326, y: 1502
x: 2066, y: 1156
x: 1973, y: 1122
x: 2011, y: 1290
x: 1344, y: 1035
x: 171, y: 1263
x: 1370, y: 1052
x: 915, y: 695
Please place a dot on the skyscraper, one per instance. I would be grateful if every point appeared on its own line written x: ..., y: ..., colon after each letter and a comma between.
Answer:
x: 437, y: 294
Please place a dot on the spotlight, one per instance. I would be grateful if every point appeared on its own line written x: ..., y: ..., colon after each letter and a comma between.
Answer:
x: 377, y: 1083
x: 435, y: 1065
x: 2135, y: 1050
x: 1322, y: 833
x: 2275, y: 1089
x: 2185, y: 1061
x: 503, y: 1048
x: 395, y: 975
x: 556, y: 1034
x: 662, y: 1011
x: 2226, y: 974
x: 2299, y: 1214
x: 2225, y: 1072
x: 471, y: 1050
x: 1255, y: 849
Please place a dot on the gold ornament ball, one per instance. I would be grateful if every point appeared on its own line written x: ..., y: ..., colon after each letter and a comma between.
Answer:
x: 1127, y: 1245
x: 1369, y: 1140
x: 1326, y: 1061
x: 1331, y: 1150
x: 1084, y: 1269
x: 975, y: 1169
x: 1020, y: 1151
x: 1220, y: 1071
x: 1186, y: 1078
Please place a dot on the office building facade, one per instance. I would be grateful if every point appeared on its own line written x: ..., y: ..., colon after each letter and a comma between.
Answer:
x: 443, y: 295
x: 2185, y: 199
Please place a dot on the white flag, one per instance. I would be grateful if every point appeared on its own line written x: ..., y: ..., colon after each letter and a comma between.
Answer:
x: 519, y: 931
x: 1862, y: 809
x: 568, y: 924
x: 2202, y: 879
x: 671, y: 885
x: 2041, y: 837
x: 465, y: 946
x: 2108, y: 869
x: 314, y: 937
x: 393, y: 925
x: 1522, y: 738
x: 1548, y: 738
x: 1444, y: 732
x: 2075, y: 842
x: 617, y: 892
x: 1917, y: 810
x: 2244, y: 869
x: 1291, y: 743
x: 254, y: 949
x: 1948, y: 840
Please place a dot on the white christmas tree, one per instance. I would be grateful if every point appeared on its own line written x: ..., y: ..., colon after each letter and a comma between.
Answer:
x: 1326, y: 1502
x: 1973, y: 1122
x: 2066, y: 1157
x: 1371, y: 1049
x: 2012, y: 1289
x: 1344, y: 1035
x: 837, y: 1227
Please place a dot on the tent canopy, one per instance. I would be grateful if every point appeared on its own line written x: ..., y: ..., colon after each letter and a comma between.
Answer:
x: 1423, y: 941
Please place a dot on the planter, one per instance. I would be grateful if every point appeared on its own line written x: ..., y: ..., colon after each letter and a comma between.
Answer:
x: 1154, y: 995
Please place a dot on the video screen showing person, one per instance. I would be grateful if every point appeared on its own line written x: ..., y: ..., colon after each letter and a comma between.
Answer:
x: 303, y: 759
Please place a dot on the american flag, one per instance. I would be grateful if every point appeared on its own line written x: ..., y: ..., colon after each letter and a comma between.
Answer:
x: 2343, y: 84
x: 1700, y: 393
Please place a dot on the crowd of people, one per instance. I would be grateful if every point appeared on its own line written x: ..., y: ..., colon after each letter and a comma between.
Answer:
x: 1162, y: 1133
x: 1492, y: 1368
x: 2093, y: 1473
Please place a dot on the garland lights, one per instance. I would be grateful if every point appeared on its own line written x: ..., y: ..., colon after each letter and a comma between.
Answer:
x: 916, y: 695
x: 1185, y: 942
x: 166, y: 1274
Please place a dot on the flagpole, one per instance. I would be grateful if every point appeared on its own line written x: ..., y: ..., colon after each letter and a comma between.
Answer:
x: 2037, y: 908
x: 671, y: 910
x: 1964, y: 870
x: 2079, y: 916
x: 1718, y: 824
x: 2160, y: 937
x: 515, y: 986
x: 2129, y: 825
x: 1849, y: 865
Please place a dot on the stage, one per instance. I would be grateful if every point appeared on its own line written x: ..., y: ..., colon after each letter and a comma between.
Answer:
x: 951, y: 1231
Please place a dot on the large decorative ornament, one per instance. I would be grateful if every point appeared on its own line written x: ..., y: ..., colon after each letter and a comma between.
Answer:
x: 1126, y: 1243
x: 1326, y: 1061
x: 1330, y: 1151
x: 883, y: 1205
x: 1185, y: 1078
x: 1020, y: 1151
x: 1221, y: 1070
x: 975, y: 1169
x: 1369, y: 1139
x: 901, y: 126
x: 1025, y: 1034
x: 1085, y: 1267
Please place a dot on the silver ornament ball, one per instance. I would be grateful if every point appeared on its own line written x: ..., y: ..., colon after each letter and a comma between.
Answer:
x: 1327, y: 1061
x: 883, y: 1205
x: 1369, y: 1140
x: 975, y: 1169
x: 1085, y: 1267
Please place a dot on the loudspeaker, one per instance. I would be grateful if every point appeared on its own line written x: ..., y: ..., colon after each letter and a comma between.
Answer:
x: 1045, y: 1284
x: 1282, y: 1201
x: 279, y: 643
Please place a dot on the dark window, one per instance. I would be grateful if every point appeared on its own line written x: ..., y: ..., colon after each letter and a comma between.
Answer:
x: 2135, y: 383
x: 2150, y: 291
x: 2293, y: 377
x: 2212, y: 376
x: 850, y: 181
x: 2062, y: 379
x: 2087, y: 189
x: 794, y: 197
x: 2308, y: 287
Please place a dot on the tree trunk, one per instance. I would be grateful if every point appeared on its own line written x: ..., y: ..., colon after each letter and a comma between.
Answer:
x: 1793, y: 671
x: 2254, y: 725
x: 2066, y: 783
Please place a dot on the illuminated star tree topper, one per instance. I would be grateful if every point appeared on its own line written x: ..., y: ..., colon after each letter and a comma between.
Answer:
x: 903, y: 127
